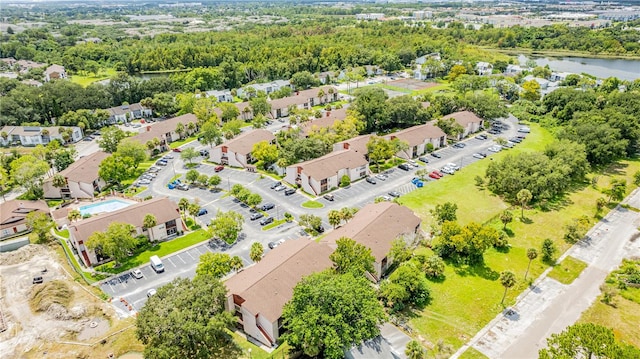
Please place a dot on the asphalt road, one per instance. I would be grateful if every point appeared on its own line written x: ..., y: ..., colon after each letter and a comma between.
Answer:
x: 549, y: 307
x: 359, y: 194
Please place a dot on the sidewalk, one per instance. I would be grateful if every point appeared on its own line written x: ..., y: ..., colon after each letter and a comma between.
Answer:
x: 548, y: 306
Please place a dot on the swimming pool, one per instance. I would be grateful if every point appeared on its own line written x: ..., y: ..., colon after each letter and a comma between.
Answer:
x: 104, y: 206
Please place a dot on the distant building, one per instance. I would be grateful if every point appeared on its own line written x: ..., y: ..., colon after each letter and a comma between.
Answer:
x: 237, y: 152
x: 220, y: 95
x: 13, y: 216
x: 468, y: 120
x: 418, y: 138
x: 165, y: 131
x: 305, y: 99
x: 126, y: 113
x: 267, y: 87
x: 422, y: 14
x: 513, y: 70
x: 82, y: 179
x: 484, y: 68
x: 54, y: 72
x: 370, y: 16
x: 35, y: 135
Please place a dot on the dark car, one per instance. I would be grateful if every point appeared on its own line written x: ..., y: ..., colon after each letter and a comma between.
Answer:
x: 256, y: 215
x: 204, y: 153
x: 289, y: 191
x: 272, y: 245
x: 202, y: 212
x: 436, y: 155
x: 371, y: 180
x: 266, y: 221
x: 459, y: 145
x: 182, y: 187
x: 38, y: 279
x: 218, y: 168
x: 481, y: 137
x: 267, y: 206
x: 275, y: 184
x: 423, y: 159
x: 161, y: 163
x: 404, y: 167
x: 394, y: 194
x: 320, y: 229
x: 177, y: 149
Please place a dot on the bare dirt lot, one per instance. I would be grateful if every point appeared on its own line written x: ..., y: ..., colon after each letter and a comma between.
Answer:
x: 59, y: 318
x: 411, y: 84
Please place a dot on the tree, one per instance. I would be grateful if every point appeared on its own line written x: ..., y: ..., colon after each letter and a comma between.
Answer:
x: 236, y: 263
x: 110, y: 138
x: 188, y: 154
x: 434, y: 267
x: 445, y: 212
x: 210, y: 134
x: 506, y: 217
x: 192, y: 175
x: 253, y: 200
x: 400, y: 251
x: 379, y: 150
x: 266, y: 153
x: 422, y: 173
x: 229, y: 111
x: 257, y: 251
x: 530, y: 90
x: 450, y: 127
x: 40, y: 225
x: 587, y: 340
x: 194, y: 209
x: 236, y: 189
x: 465, y: 244
x: 214, y: 181
x: 260, y: 106
x: 303, y: 80
x: 115, y: 169
x: 203, y: 179
x: 28, y: 172
x: 183, y: 204
x: 532, y: 254
x: 405, y: 286
x: 62, y: 158
x: 148, y: 223
x: 58, y: 181
x: 310, y: 221
x: 456, y: 71
x: 232, y: 128
x: 329, y: 313
x: 548, y: 250
x: 523, y: 197
x: 226, y: 226
x: 371, y: 104
x: 415, y: 351
x: 116, y: 242
x: 74, y: 215
x: 617, y: 190
x: 132, y: 149
x: 347, y: 213
x: 215, y: 265
x: 508, y: 280
x: 352, y: 257
x: 335, y: 217
x: 187, y: 318
x: 636, y: 178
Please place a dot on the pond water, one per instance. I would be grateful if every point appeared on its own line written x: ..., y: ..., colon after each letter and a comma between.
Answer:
x: 624, y: 69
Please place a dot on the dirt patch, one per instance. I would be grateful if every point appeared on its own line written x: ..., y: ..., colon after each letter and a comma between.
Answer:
x: 411, y: 84
x: 59, y: 318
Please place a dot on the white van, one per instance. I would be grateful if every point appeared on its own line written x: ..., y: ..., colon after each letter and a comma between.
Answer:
x: 156, y: 264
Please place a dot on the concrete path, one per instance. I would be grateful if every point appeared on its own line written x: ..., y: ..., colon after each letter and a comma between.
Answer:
x: 548, y: 306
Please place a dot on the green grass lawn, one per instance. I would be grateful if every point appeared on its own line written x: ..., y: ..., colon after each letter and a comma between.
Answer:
x: 179, y: 143
x: 274, y: 224
x: 470, y: 296
x: 256, y: 351
x: 312, y: 204
x: 472, y: 354
x: 63, y: 233
x: 441, y: 87
x: 86, y: 80
x: 160, y: 250
x: 568, y: 270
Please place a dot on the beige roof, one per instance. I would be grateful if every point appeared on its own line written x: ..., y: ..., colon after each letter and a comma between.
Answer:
x: 54, y: 68
x: 463, y: 118
x: 164, y: 210
x: 418, y: 134
x: 243, y: 144
x: 329, y: 164
x: 161, y: 128
x: 300, y: 97
x: 357, y: 144
x: 324, y: 122
x: 14, y: 212
x: 85, y: 169
x: 267, y: 286
x: 376, y: 226
x: 121, y: 110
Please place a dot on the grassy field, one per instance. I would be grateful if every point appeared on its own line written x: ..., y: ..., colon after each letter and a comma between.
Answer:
x: 472, y: 354
x: 469, y: 296
x: 312, y: 204
x: 256, y: 351
x: 161, y: 249
x: 87, y: 80
x: 274, y: 224
x: 623, y: 318
x: 568, y: 270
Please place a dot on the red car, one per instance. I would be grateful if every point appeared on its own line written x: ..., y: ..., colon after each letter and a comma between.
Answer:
x: 219, y: 168
x: 177, y: 149
x: 434, y: 175
x: 438, y: 173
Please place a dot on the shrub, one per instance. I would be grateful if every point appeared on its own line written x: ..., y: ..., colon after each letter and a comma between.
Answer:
x: 433, y: 267
x: 345, y: 181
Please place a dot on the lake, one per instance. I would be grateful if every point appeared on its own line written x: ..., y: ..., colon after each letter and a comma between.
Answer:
x: 624, y: 69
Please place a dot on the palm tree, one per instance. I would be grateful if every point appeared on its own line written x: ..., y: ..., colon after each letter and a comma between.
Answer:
x: 236, y: 263
x: 191, y: 127
x: 148, y: 223
x: 321, y: 94
x: 74, y: 215
x: 330, y: 91
x: 59, y: 181
x: 523, y: 197
x: 180, y: 129
x: 335, y: 217
x: 194, y: 208
x: 414, y: 350
x: 532, y: 254
x: 183, y: 204
x: 257, y: 250
x: 508, y: 280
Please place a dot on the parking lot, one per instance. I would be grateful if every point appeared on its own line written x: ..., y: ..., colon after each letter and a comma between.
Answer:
x: 357, y: 195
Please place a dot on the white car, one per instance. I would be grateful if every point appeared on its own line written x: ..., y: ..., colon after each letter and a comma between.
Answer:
x: 447, y: 170
x: 496, y: 148
x: 524, y: 129
x: 137, y: 274
x: 280, y: 188
x: 151, y: 292
x: 478, y: 155
x: 453, y: 166
x: 381, y: 177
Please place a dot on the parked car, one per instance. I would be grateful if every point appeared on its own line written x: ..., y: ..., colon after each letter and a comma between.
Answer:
x: 453, y: 166
x: 272, y: 245
x: 161, y: 163
x: 423, y: 159
x: 438, y: 173
x: 280, y: 188
x: 204, y: 153
x: 328, y: 197
x: 218, y: 168
x: 38, y: 279
x: 481, y: 136
x: 413, y: 163
x: 137, y: 274
x: 434, y: 175
x: 509, y: 144
x: 289, y: 192
x: 267, y: 206
x: 394, y: 194
x: 177, y: 149
x: 494, y: 131
x: 371, y: 180
x: 202, y: 212
x: 515, y: 140
x: 447, y: 170
x: 479, y: 155
x: 459, y: 145
x: 495, y: 148
x: 256, y: 215
x: 275, y: 184
x: 381, y: 177
x: 266, y: 221
x: 524, y: 129
x: 167, y: 157
x: 88, y: 138
x: 151, y: 292
x: 404, y: 167
x: 385, y: 198
x: 436, y: 155
x: 182, y: 187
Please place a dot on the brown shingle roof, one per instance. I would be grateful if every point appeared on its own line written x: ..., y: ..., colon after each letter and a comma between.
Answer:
x: 418, y: 134
x: 300, y: 97
x: 463, y: 118
x: 376, y: 226
x: 121, y: 110
x: 329, y: 164
x: 54, y: 68
x: 268, y: 285
x: 164, y: 210
x: 324, y: 122
x: 85, y: 169
x: 243, y: 144
x: 162, y: 127
x: 357, y: 144
x: 14, y: 212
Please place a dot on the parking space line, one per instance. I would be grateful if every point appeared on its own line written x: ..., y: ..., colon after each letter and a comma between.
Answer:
x: 170, y: 261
